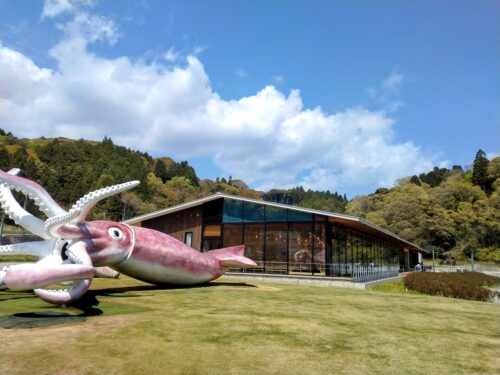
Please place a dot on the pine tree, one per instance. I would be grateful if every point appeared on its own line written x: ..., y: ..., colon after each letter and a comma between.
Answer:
x: 161, y: 171
x: 480, y: 172
x: 415, y: 180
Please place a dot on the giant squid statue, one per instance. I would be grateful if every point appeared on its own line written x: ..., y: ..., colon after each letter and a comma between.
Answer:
x: 73, y: 250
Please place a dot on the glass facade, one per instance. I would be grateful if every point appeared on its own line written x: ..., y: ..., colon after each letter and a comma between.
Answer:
x: 252, y: 212
x: 300, y: 247
x: 286, y: 241
x: 254, y: 242
x: 276, y: 245
x: 233, y: 234
x: 276, y: 214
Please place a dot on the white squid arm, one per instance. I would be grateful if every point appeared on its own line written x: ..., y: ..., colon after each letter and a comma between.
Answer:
x: 106, y: 272
x: 65, y: 225
x: 85, y: 203
x: 27, y: 276
x: 18, y: 214
x: 35, y: 248
x: 33, y: 190
x: 82, y: 271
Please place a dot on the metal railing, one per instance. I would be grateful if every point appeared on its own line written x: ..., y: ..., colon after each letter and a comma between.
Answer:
x: 467, y: 268
x: 355, y: 273
x: 365, y: 273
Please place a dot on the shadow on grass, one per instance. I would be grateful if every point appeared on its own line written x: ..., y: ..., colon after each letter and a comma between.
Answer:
x: 118, y: 291
x: 87, y: 304
x: 49, y: 317
x: 38, y: 319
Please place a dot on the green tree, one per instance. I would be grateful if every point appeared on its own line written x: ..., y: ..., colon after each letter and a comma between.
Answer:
x: 161, y: 171
x: 480, y: 172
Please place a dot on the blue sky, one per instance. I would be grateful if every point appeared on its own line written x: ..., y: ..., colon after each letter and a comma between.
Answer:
x: 338, y: 95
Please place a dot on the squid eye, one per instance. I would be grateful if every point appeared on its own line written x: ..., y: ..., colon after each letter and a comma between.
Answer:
x: 116, y: 233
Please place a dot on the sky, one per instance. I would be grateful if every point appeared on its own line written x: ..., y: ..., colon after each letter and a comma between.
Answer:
x: 345, y: 96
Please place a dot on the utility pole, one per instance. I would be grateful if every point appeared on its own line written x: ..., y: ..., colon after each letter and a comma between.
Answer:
x: 24, y: 207
x: 1, y: 228
x: 472, y: 259
x: 124, y: 211
x: 433, y: 265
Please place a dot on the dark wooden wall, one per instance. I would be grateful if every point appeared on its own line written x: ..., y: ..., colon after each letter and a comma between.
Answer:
x: 178, y: 223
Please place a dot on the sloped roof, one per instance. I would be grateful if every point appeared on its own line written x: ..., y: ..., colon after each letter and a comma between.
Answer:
x: 353, y: 222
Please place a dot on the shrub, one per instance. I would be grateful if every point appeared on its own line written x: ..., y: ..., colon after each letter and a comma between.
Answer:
x: 467, y: 285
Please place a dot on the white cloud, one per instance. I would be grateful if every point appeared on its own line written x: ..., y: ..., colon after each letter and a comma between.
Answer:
x: 241, y: 72
x: 91, y: 28
x: 387, y: 93
x: 55, y: 8
x: 171, y: 55
x: 268, y: 139
x: 278, y: 79
x: 492, y: 155
x: 199, y: 49
x: 392, y: 83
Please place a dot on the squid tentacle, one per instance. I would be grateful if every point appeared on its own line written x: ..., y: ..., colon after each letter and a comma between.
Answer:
x: 65, y: 225
x: 26, y: 276
x: 78, y: 254
x: 33, y: 190
x: 17, y: 213
x: 85, y: 203
x: 54, y: 225
x: 35, y: 248
x: 64, y: 296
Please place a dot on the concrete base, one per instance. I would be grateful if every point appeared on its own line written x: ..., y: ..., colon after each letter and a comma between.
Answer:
x: 311, y: 280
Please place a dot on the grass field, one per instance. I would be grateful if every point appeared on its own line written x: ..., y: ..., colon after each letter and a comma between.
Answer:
x: 234, y: 327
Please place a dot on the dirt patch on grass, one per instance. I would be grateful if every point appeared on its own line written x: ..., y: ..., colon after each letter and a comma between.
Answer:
x: 267, y: 288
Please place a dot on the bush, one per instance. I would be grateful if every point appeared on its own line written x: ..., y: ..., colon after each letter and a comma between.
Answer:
x: 488, y: 254
x: 467, y: 285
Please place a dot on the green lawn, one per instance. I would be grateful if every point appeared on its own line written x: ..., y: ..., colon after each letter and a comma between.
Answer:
x: 235, y: 327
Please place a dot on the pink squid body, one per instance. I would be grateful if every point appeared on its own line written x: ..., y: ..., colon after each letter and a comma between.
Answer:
x: 161, y: 259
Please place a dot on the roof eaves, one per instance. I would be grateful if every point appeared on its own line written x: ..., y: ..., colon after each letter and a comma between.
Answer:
x: 219, y: 195
x: 172, y: 209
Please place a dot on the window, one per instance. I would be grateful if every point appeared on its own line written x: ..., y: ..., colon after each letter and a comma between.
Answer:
x: 319, y: 243
x: 233, y: 211
x: 233, y: 234
x: 212, y: 212
x: 253, y: 212
x: 254, y: 241
x: 276, y: 242
x: 211, y: 244
x: 300, y: 244
x: 211, y: 231
x: 298, y: 216
x: 188, y: 239
x: 274, y: 214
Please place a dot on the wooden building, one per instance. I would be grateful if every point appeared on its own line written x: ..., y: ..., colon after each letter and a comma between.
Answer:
x: 285, y: 239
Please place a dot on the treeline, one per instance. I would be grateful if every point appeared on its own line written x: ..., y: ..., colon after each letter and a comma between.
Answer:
x: 320, y: 200
x: 452, y: 211
x: 68, y: 169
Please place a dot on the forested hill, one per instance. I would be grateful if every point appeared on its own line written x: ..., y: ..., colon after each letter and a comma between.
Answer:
x: 68, y: 169
x: 449, y: 210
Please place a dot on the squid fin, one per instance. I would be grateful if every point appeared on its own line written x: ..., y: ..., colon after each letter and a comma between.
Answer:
x: 233, y: 257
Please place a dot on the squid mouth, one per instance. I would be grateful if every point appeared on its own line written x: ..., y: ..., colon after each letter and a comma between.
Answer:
x: 76, y: 270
